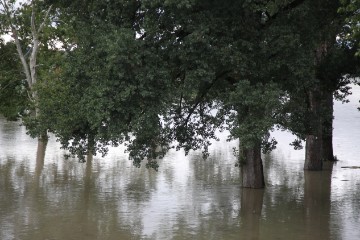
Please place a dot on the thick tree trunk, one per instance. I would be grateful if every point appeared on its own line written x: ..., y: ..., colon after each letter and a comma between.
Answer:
x: 327, y: 134
x: 252, y: 174
x: 313, y: 147
x: 313, y: 156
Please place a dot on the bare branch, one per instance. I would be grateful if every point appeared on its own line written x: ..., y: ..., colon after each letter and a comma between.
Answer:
x: 21, y: 55
x: 44, y: 20
x: 33, y: 27
x: 201, y: 96
x: 15, y: 35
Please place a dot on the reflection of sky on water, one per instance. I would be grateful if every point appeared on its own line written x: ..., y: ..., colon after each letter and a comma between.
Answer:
x: 345, y: 193
x: 347, y: 129
x: 188, y: 197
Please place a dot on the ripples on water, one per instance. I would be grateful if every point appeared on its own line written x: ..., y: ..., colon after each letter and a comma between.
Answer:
x: 188, y: 198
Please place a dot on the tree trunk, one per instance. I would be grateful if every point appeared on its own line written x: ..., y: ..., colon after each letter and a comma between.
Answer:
x: 40, y: 157
x: 327, y: 134
x: 28, y: 67
x: 90, y: 148
x: 252, y: 174
x: 313, y: 147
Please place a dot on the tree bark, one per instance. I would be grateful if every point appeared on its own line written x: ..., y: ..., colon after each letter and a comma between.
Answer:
x: 313, y: 147
x: 327, y: 134
x: 252, y: 173
x: 30, y: 68
x: 313, y: 156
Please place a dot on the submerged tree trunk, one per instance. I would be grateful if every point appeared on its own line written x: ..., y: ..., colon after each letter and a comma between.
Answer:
x: 327, y: 134
x: 313, y: 147
x: 40, y: 159
x: 313, y: 156
x: 40, y: 156
x: 252, y: 173
x: 90, y: 148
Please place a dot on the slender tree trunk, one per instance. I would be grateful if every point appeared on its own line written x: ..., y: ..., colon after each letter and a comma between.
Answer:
x: 327, y: 134
x: 313, y: 147
x: 90, y: 148
x: 252, y: 173
x: 40, y: 157
x: 29, y: 67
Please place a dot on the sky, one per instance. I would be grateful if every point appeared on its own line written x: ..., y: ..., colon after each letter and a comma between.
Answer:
x: 7, y: 37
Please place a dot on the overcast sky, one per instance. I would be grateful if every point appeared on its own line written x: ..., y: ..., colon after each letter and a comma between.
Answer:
x: 7, y: 37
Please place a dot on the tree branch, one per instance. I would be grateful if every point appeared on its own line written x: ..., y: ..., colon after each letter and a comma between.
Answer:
x: 32, y: 20
x: 42, y: 25
x: 199, y: 98
x: 17, y: 42
x: 287, y: 8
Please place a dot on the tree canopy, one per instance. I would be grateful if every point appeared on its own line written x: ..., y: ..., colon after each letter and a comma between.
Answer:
x: 155, y: 75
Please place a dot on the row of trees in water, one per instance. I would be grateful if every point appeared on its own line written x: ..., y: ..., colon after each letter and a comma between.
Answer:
x: 169, y: 73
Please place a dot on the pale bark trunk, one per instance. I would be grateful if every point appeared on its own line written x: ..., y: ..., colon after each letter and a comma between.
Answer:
x: 15, y: 35
x: 22, y: 57
x: 252, y: 174
x: 40, y: 157
x: 29, y: 68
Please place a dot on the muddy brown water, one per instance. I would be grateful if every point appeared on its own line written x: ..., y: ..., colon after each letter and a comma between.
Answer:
x: 44, y: 196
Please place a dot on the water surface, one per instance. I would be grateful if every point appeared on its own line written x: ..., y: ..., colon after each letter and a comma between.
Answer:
x: 45, y: 196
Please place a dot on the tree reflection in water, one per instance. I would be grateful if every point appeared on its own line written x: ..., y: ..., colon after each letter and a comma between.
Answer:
x: 250, y: 213
x: 44, y: 196
x: 317, y: 191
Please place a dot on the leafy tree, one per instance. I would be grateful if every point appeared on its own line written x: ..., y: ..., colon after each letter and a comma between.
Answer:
x: 106, y: 94
x: 13, y: 88
x: 149, y: 73
x: 221, y: 59
x: 26, y: 24
x: 312, y: 98
x: 154, y: 72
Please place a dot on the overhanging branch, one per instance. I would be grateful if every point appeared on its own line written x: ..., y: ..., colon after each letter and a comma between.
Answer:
x: 201, y: 96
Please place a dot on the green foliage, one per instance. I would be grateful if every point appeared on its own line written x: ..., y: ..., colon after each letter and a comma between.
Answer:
x: 13, y: 87
x: 155, y: 72
x: 160, y: 74
x: 351, y: 33
x: 253, y: 111
x: 106, y: 92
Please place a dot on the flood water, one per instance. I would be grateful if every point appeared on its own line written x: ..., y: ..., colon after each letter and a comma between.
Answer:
x: 45, y: 196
